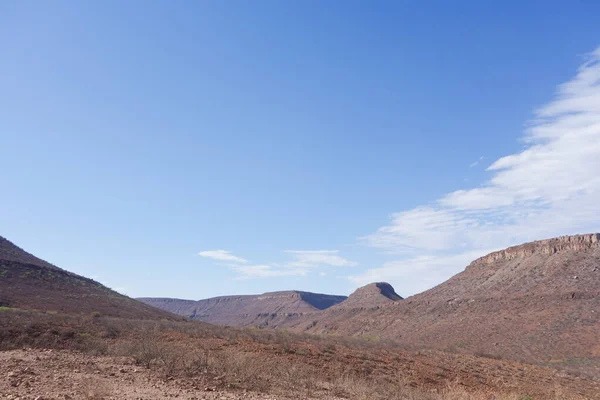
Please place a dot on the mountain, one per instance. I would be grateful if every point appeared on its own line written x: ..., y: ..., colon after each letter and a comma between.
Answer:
x: 27, y: 282
x: 266, y: 309
x: 372, y: 295
x: 539, y: 301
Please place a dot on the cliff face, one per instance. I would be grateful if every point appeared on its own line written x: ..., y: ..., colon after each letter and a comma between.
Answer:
x: 544, y: 247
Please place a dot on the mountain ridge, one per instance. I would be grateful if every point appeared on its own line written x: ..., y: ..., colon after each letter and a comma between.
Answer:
x: 538, y: 302
x: 28, y: 282
x: 545, y: 246
x: 247, y: 310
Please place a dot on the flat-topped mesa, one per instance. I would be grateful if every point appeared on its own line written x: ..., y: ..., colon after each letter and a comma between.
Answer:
x: 318, y: 300
x: 284, y: 294
x: 248, y: 310
x: 545, y: 247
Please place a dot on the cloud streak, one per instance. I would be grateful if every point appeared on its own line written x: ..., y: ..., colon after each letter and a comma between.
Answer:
x: 476, y: 162
x: 303, y: 262
x: 550, y: 188
x: 222, y: 255
x: 265, y: 271
x: 314, y: 258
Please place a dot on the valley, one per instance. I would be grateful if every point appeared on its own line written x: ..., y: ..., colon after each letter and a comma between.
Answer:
x: 516, y: 323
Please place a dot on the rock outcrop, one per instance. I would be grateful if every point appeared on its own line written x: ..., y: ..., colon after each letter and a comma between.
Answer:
x: 545, y: 247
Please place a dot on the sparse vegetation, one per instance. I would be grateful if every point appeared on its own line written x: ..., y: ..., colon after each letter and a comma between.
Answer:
x: 265, y: 360
x: 43, y: 307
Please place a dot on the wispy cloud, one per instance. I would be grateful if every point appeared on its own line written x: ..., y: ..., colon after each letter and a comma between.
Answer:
x: 265, y: 271
x: 414, y: 275
x: 303, y: 262
x: 550, y: 188
x: 313, y: 258
x: 476, y: 162
x: 222, y: 255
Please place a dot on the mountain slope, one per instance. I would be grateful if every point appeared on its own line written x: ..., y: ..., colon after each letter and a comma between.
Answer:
x: 28, y: 282
x: 250, y: 310
x: 372, y: 295
x: 538, y: 301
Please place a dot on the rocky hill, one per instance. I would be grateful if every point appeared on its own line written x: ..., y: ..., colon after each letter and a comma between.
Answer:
x: 266, y: 309
x: 538, y: 301
x: 27, y: 282
x: 373, y: 295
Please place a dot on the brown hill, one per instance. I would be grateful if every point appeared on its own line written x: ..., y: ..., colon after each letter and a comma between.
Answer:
x: 27, y: 282
x: 372, y: 295
x: 538, y: 302
x: 250, y: 310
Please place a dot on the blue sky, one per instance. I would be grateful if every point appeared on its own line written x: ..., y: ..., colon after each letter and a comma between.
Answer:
x: 194, y: 149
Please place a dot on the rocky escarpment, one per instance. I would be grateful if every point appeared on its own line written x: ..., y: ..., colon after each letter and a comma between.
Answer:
x: 544, y: 247
x: 248, y: 310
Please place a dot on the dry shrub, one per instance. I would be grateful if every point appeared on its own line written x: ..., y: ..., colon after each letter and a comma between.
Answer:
x: 282, y: 362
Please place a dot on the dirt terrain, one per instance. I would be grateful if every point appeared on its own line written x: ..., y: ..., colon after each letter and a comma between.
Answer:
x: 196, y: 359
x: 48, y: 375
x: 37, y: 374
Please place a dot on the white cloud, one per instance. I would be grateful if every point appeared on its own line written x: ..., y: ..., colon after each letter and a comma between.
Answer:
x: 550, y: 188
x: 417, y: 274
x: 264, y: 271
x: 222, y: 255
x: 476, y: 162
x: 421, y: 228
x: 303, y: 262
x: 313, y: 258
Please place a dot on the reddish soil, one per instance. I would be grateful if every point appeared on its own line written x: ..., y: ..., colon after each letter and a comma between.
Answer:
x: 48, y: 374
x: 184, y: 358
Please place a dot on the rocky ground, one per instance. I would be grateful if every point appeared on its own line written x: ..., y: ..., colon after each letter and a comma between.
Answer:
x: 64, y: 375
x: 34, y: 374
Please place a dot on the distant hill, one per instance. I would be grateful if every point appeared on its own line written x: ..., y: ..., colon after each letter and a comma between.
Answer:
x: 538, y: 301
x: 27, y: 282
x: 250, y: 310
x: 372, y: 295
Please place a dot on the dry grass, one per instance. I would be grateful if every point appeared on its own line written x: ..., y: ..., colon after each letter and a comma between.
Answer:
x: 264, y: 361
